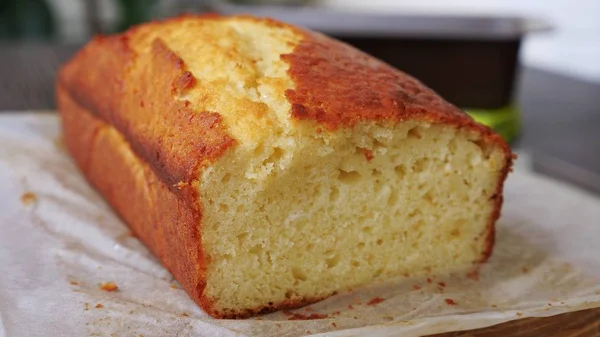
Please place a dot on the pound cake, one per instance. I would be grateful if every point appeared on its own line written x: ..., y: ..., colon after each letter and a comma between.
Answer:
x: 269, y: 166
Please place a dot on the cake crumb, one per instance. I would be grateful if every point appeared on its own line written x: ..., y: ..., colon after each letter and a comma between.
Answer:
x: 442, y: 284
x: 416, y: 287
x: 185, y: 314
x: 59, y: 143
x: 297, y: 317
x: 450, y: 301
x: 474, y: 275
x: 174, y: 286
x: 429, y: 280
x: 278, y: 325
x: 350, y: 307
x: 99, y: 306
x: 28, y: 198
x: 109, y: 286
x: 368, y: 154
x: 525, y: 269
x: 549, y: 304
x: 519, y: 314
x: 333, y: 324
x: 375, y: 301
x: 494, y: 306
x: 74, y: 283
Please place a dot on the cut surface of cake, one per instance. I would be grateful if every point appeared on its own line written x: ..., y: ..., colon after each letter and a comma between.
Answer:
x: 268, y: 166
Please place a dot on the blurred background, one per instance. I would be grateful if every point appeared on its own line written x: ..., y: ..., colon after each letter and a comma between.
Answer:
x: 528, y: 68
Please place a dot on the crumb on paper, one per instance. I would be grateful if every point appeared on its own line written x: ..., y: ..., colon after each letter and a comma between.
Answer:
x: 109, y: 286
x: 86, y: 306
x: 549, y: 304
x: 185, y: 314
x: 525, y: 269
x: 174, y: 286
x: 406, y: 275
x: 74, y: 283
x: 297, y: 317
x: 28, y: 198
x: 442, y: 284
x: 450, y: 301
x: 59, y: 143
x: 278, y: 325
x: 474, y: 275
x: 519, y: 314
x: 333, y: 324
x: 494, y: 306
x: 388, y: 318
x: 350, y: 307
x: 99, y: 306
x: 375, y: 301
x: 416, y: 287
x: 429, y: 280
x: 335, y: 313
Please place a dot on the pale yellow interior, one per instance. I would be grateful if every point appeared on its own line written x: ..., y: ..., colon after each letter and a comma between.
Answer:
x: 306, y: 219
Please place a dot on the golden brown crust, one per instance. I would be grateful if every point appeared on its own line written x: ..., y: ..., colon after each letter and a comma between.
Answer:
x: 138, y: 95
x: 340, y: 86
x: 166, y: 222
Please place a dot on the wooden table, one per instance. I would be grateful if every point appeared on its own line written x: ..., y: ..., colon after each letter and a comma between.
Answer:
x: 561, y: 118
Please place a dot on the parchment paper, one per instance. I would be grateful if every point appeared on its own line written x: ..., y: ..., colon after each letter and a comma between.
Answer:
x: 59, y: 240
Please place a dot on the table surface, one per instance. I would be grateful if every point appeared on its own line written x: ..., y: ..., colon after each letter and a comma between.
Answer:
x: 561, y: 121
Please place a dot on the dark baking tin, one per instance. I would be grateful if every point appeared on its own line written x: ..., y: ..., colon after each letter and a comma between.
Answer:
x: 470, y: 61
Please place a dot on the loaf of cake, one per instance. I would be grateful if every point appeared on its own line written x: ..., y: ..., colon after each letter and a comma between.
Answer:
x: 269, y: 166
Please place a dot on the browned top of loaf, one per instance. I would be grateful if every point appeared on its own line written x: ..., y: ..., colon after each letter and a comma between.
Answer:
x: 335, y: 86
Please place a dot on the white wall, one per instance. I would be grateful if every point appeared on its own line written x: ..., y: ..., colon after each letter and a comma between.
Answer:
x: 572, y: 48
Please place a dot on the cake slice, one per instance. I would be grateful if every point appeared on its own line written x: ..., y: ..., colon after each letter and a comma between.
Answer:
x: 269, y: 166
